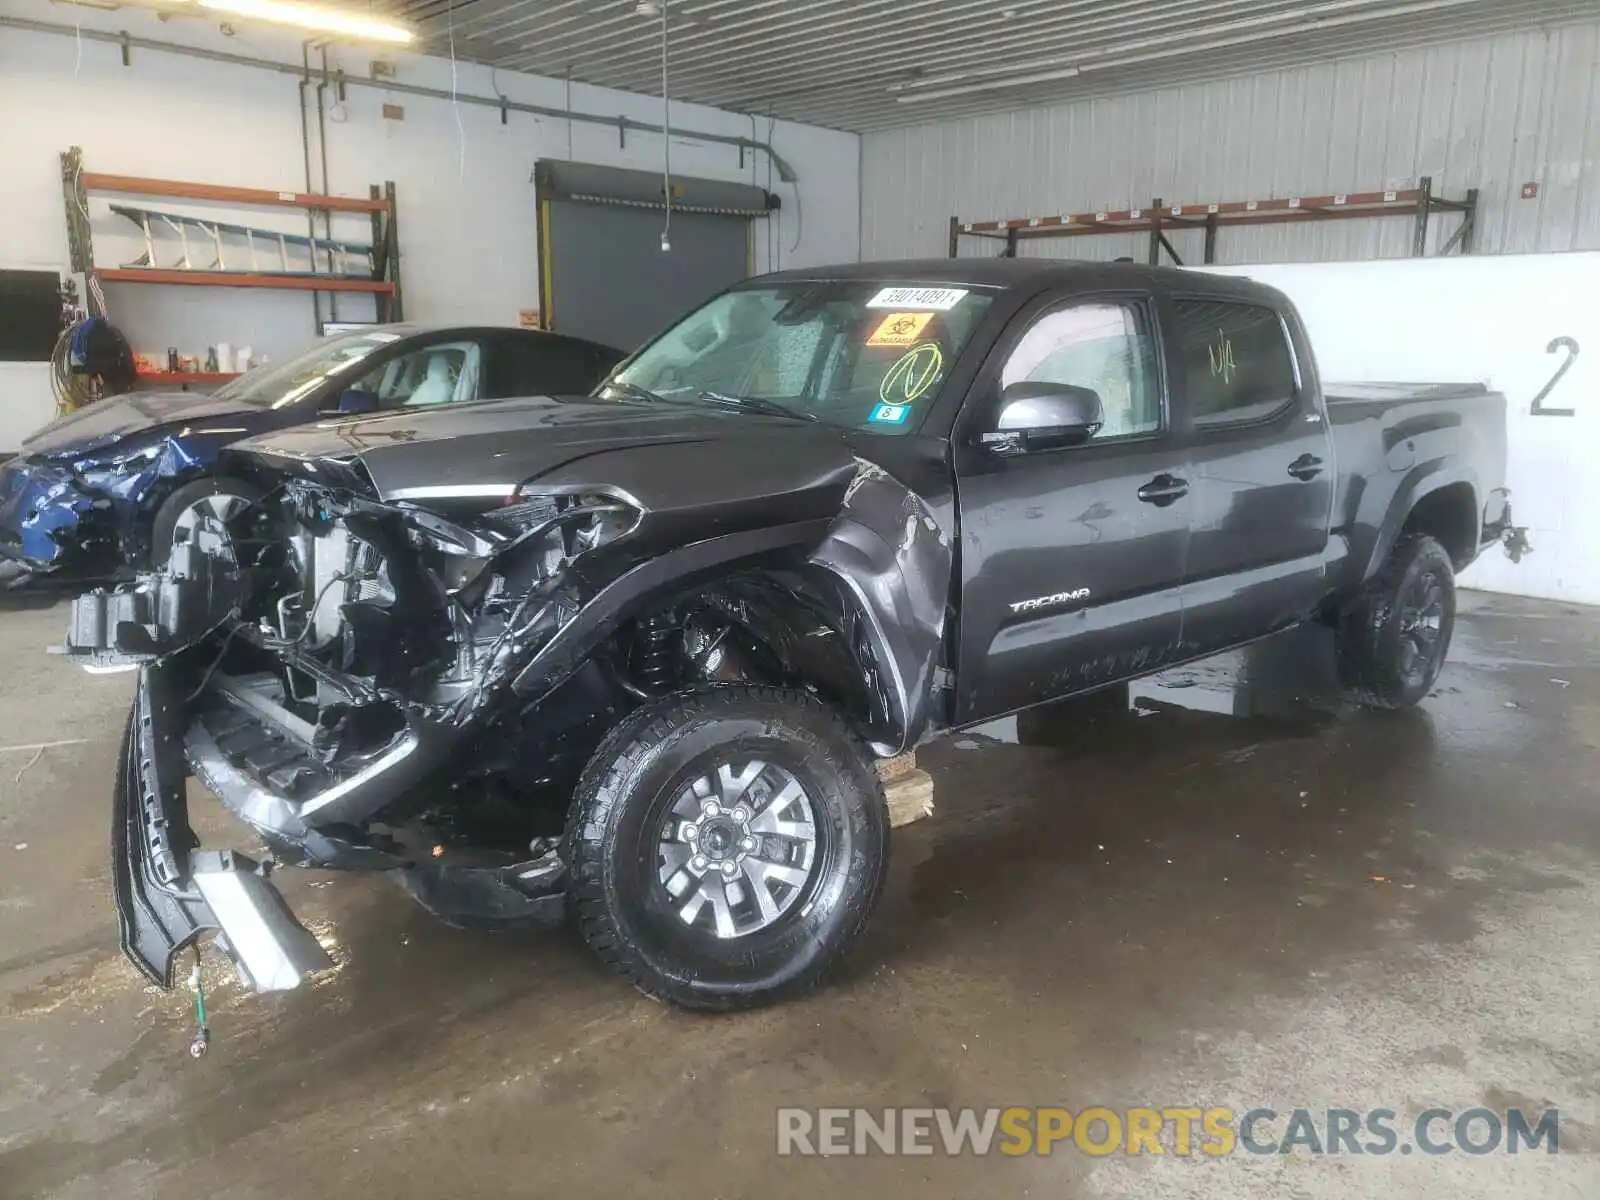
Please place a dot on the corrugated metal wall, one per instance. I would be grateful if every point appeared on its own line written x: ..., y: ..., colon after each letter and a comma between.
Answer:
x: 1491, y: 113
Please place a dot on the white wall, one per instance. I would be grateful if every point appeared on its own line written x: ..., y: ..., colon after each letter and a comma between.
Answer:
x: 466, y: 207
x: 1490, y: 113
x: 1490, y: 320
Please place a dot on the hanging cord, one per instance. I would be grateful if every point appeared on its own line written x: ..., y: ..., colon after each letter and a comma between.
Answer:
x: 666, y: 135
x: 772, y: 251
x: 455, y: 104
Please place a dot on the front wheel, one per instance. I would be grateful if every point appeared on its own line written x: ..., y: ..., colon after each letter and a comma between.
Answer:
x: 1392, y: 642
x: 198, y: 513
x: 727, y: 844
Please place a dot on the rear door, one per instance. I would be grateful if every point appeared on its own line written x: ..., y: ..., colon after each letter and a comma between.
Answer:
x: 1263, y: 471
x: 1071, y: 558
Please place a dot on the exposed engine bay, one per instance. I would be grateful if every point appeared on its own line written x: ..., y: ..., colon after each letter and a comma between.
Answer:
x: 360, y: 641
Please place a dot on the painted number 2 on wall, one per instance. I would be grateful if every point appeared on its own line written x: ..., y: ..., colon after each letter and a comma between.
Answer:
x: 1570, y: 345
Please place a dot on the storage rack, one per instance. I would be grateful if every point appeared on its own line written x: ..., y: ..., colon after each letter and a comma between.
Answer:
x: 383, y: 282
x: 1420, y: 203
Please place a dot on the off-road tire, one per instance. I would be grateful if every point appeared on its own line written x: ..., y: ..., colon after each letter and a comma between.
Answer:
x: 624, y: 912
x: 166, y: 518
x: 1372, y: 632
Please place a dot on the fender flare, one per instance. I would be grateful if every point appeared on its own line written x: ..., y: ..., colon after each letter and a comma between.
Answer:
x: 1421, y: 482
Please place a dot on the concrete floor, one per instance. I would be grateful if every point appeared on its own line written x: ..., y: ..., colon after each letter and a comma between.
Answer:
x: 1291, y: 908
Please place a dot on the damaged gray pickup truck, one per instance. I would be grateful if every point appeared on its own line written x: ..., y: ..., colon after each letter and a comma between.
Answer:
x: 631, y: 657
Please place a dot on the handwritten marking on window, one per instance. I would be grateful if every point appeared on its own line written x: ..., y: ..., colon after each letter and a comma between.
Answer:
x: 913, y: 374
x: 1221, y: 356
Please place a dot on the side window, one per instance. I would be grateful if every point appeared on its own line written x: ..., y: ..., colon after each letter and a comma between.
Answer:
x: 543, y: 366
x: 443, y: 373
x: 1105, y: 347
x: 1237, y: 367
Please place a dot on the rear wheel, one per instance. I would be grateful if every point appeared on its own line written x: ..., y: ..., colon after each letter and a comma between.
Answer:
x: 726, y: 844
x: 1392, y: 643
x: 198, y: 513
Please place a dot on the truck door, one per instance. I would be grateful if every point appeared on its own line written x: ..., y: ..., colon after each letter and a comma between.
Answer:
x: 1263, y: 471
x: 1071, y: 554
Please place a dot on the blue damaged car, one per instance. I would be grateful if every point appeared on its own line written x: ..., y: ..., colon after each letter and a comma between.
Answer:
x: 111, y: 488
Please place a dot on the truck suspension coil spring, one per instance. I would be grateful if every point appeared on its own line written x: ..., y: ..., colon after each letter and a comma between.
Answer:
x: 652, y: 658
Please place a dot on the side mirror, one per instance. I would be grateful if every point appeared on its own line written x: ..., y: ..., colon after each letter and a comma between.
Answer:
x: 357, y: 400
x: 1044, y: 416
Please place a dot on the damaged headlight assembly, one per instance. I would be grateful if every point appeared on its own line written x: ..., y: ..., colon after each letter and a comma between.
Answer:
x: 533, y: 536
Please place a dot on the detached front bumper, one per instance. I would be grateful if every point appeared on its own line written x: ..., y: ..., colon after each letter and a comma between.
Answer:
x: 169, y: 893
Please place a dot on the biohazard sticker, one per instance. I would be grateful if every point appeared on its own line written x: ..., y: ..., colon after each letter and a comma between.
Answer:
x: 900, y: 329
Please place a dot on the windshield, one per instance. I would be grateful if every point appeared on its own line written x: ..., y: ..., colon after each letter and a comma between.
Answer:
x: 856, y: 354
x: 277, y: 385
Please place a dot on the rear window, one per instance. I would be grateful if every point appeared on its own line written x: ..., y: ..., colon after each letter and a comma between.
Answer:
x: 1237, y: 367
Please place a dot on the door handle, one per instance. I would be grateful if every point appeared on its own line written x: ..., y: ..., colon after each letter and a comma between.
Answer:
x: 1163, y: 490
x: 1307, y: 466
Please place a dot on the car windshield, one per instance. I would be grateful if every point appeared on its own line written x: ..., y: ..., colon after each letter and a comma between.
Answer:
x: 863, y: 355
x: 277, y: 385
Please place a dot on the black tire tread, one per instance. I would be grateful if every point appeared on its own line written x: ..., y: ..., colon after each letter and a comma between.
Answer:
x: 1359, y: 658
x: 599, y: 791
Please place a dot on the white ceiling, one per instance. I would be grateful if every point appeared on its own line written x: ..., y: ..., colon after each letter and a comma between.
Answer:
x: 873, y: 64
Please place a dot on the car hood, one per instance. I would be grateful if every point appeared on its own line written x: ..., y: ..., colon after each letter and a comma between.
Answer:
x: 662, y: 455
x: 118, y: 418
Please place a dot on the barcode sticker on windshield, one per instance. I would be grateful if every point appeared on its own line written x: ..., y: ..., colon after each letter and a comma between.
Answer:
x: 938, y: 299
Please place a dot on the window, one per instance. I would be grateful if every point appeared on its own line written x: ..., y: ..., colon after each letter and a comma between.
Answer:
x: 857, y: 354
x: 1104, y: 347
x: 280, y: 384
x: 545, y: 365
x: 444, y: 373
x: 1236, y: 362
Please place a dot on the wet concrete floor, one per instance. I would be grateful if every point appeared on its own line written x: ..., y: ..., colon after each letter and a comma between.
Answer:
x: 1245, y: 898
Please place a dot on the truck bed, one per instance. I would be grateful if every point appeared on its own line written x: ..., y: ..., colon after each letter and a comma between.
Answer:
x: 1396, y: 442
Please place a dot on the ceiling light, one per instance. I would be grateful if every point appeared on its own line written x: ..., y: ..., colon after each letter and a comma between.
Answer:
x: 988, y: 85
x: 311, y: 16
x: 647, y: 8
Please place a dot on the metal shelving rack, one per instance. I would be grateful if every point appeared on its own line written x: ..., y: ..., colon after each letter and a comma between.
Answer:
x: 383, y: 282
x: 1160, y: 218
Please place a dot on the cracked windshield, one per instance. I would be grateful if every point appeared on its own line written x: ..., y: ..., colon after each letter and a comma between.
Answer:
x: 860, y: 355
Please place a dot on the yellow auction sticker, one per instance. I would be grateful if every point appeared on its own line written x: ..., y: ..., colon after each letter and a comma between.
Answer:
x: 900, y: 329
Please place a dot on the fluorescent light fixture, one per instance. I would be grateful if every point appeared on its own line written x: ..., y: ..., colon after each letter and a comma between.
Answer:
x: 313, y: 16
x: 988, y: 85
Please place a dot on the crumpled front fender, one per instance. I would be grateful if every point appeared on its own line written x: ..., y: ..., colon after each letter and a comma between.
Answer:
x: 890, y: 552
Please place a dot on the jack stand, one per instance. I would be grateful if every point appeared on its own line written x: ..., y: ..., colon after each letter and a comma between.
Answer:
x: 202, y: 1033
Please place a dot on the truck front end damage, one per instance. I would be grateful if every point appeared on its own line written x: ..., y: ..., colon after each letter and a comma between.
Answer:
x: 370, y: 684
x: 314, y: 674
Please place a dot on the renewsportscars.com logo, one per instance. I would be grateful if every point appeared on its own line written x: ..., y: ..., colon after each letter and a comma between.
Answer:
x: 1179, y: 1130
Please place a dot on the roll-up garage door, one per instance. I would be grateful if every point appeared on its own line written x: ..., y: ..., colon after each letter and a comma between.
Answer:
x: 604, y: 275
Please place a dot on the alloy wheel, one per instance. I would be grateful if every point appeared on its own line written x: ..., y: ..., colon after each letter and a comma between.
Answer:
x: 737, y: 848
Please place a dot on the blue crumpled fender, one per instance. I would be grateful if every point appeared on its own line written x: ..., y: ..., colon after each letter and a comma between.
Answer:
x: 115, y: 495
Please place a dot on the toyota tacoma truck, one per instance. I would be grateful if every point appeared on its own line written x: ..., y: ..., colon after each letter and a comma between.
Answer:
x: 629, y: 659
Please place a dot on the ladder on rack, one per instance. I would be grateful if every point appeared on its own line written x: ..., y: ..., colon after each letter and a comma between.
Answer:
x: 337, y: 255
x: 328, y: 264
